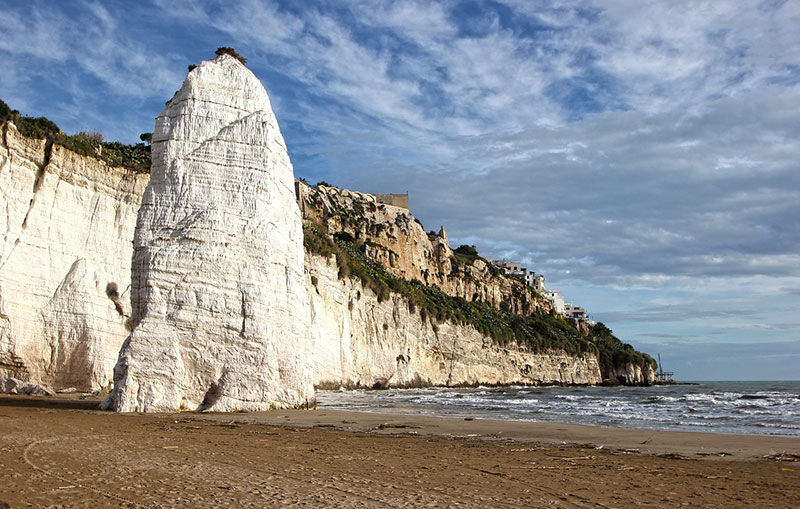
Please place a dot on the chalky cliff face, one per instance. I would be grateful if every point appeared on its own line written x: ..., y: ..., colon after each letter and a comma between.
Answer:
x: 66, y: 223
x: 224, y: 317
x: 360, y: 341
x: 219, y: 300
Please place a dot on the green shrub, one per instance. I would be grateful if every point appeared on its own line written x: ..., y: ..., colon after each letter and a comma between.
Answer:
x: 468, y: 251
x: 613, y: 353
x: 86, y: 143
x: 40, y: 128
x: 226, y: 50
x: 95, y: 137
x: 5, y: 111
x: 344, y: 236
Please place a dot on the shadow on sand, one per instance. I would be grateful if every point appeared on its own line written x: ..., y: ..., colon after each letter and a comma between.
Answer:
x: 52, y: 403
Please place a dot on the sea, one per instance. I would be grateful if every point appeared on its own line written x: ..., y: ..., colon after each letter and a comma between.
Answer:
x: 746, y: 408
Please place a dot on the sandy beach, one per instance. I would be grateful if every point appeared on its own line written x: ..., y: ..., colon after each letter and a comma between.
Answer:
x: 62, y: 452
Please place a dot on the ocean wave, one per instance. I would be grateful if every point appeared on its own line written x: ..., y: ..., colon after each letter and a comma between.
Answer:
x: 569, y: 397
x: 749, y: 408
x: 754, y: 396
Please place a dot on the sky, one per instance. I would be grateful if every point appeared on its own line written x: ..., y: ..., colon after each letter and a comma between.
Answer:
x: 643, y: 155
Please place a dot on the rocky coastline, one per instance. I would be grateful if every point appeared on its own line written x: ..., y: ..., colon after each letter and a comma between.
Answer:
x: 201, y: 294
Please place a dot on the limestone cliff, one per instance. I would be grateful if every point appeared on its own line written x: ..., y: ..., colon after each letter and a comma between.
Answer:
x: 218, y: 237
x: 220, y: 306
x: 394, y: 238
x: 66, y: 222
x: 361, y: 341
x: 632, y: 374
x: 63, y: 323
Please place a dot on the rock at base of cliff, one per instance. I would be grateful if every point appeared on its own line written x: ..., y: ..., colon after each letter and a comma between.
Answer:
x: 14, y: 386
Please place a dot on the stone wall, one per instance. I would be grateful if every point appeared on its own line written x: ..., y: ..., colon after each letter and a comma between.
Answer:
x: 395, y: 200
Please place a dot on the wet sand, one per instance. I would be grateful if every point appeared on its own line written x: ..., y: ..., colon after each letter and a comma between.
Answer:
x: 62, y: 452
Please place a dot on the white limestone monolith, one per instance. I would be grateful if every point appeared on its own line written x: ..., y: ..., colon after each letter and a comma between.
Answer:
x: 219, y: 302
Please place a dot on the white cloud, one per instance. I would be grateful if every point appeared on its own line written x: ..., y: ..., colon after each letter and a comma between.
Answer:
x: 34, y: 35
x: 681, y: 54
x: 634, y: 145
x: 97, y: 44
x: 416, y: 78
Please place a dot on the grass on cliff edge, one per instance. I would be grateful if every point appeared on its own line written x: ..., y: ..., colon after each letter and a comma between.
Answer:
x: 539, y: 332
x: 135, y: 157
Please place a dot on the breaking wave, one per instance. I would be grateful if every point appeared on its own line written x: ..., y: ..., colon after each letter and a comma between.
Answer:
x: 766, y: 408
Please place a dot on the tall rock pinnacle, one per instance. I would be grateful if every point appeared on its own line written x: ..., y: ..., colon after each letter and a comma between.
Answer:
x: 220, y: 305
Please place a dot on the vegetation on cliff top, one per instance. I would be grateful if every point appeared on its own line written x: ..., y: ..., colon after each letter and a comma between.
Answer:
x: 539, y: 332
x: 227, y: 50
x: 90, y: 144
x: 614, y: 352
x: 466, y: 255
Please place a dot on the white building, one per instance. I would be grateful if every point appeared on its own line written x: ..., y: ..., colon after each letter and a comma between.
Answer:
x: 557, y: 299
x: 510, y: 268
x: 576, y: 312
x: 535, y: 280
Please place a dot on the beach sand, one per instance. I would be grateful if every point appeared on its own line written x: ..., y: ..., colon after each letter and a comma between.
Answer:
x: 62, y: 452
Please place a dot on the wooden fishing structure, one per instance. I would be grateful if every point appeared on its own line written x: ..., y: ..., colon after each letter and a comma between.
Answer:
x: 663, y: 377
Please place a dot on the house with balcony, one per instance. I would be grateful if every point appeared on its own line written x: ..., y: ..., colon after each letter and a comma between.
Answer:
x: 510, y: 268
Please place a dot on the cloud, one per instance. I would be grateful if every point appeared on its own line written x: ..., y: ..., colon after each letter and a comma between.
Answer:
x: 638, y: 142
x: 758, y: 360
x: 98, y: 45
x: 677, y: 312
x: 80, y: 64
x: 648, y: 149
x: 32, y: 33
x: 622, y: 195
x: 428, y: 74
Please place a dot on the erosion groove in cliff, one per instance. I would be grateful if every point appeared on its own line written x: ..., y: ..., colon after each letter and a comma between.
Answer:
x: 37, y: 183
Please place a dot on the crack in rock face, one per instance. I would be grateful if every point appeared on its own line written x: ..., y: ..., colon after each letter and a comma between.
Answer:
x: 218, y: 244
